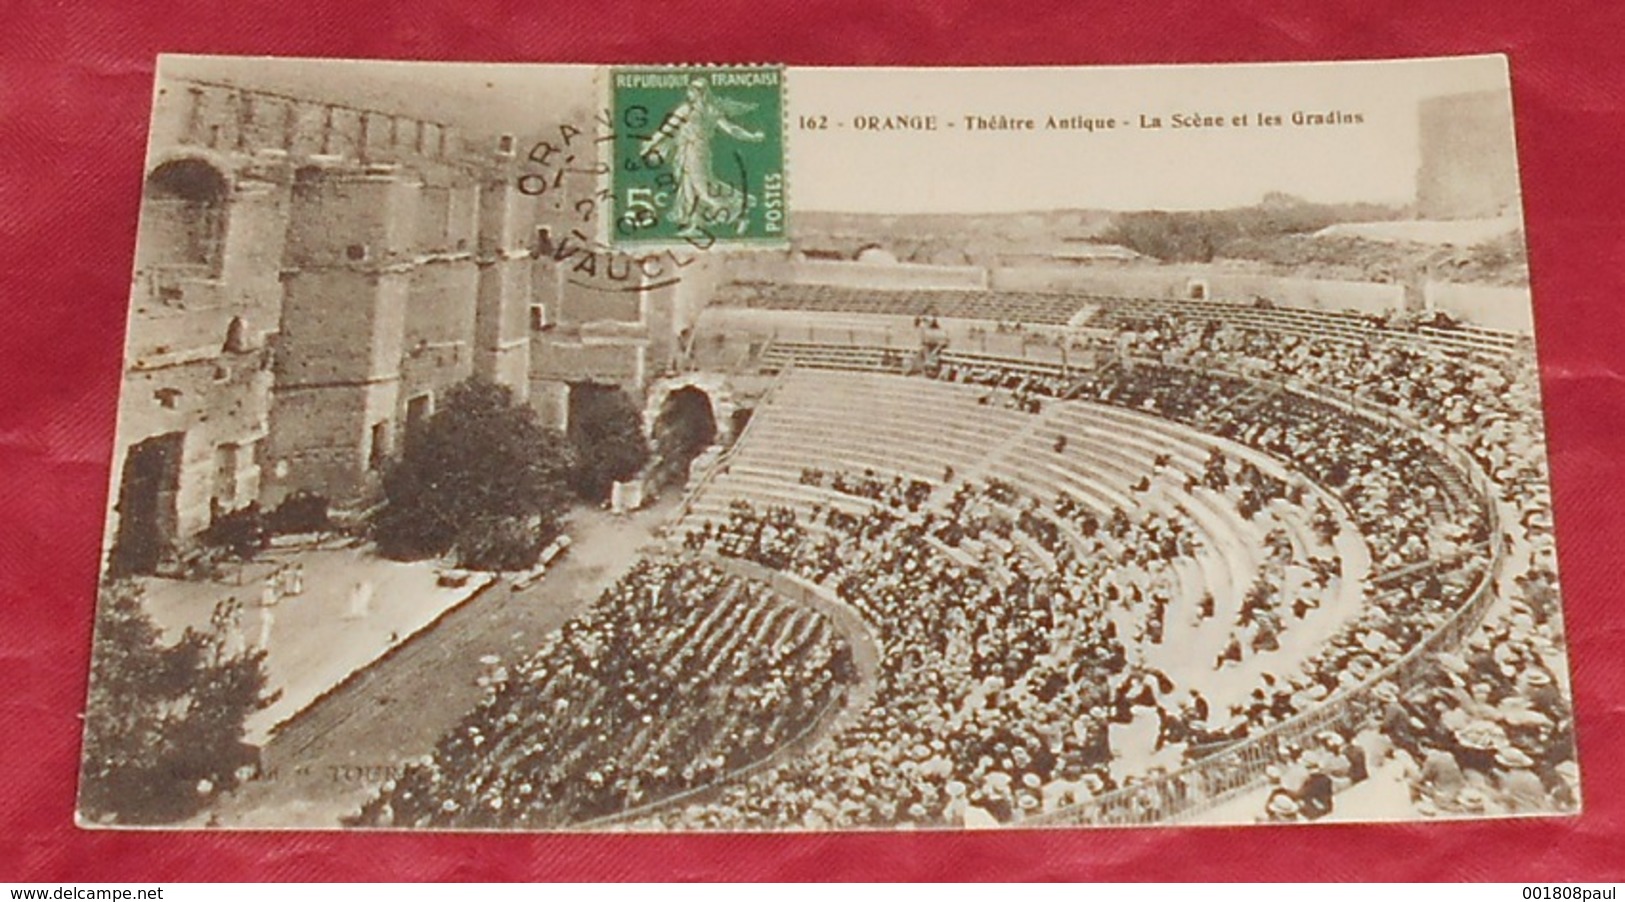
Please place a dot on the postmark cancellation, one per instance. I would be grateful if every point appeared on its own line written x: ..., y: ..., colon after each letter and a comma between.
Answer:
x: 699, y: 157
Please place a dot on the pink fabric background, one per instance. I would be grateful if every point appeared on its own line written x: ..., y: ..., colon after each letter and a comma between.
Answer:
x: 74, y: 91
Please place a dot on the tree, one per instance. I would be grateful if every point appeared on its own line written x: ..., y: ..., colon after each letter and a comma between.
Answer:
x: 480, y: 476
x: 164, y: 724
x: 300, y: 512
x: 606, y: 436
x: 239, y: 533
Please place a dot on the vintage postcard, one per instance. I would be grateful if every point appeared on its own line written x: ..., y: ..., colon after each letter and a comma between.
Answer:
x: 512, y: 447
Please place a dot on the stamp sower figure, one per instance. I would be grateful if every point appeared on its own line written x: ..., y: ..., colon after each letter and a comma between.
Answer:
x: 685, y: 138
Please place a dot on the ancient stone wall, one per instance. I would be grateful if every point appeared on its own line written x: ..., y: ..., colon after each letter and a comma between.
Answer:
x: 366, y: 261
x: 229, y: 118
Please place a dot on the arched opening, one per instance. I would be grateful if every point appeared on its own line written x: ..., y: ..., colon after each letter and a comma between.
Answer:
x: 184, y: 214
x: 146, y: 505
x: 685, y: 428
x: 1197, y: 290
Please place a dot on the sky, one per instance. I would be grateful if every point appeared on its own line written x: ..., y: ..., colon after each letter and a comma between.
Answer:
x: 952, y: 170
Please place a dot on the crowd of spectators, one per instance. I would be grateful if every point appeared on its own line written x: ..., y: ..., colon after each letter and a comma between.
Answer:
x: 894, y: 492
x: 994, y: 697
x: 1013, y: 631
x: 1413, y: 509
x: 1007, y: 388
x: 678, y: 676
x: 1427, y: 528
x: 1488, y: 730
x: 1482, y: 722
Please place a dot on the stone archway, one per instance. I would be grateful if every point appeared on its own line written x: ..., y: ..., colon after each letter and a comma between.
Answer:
x: 183, y: 213
x: 713, y: 386
x: 689, y: 420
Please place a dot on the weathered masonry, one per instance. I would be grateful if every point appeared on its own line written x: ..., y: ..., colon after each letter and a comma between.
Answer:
x: 309, y: 278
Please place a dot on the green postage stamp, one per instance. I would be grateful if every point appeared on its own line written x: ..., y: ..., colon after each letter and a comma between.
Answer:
x: 699, y: 156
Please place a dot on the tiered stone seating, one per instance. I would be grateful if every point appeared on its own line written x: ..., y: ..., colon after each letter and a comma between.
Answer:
x: 1058, y: 309
x: 1327, y: 324
x: 1004, y: 306
x: 821, y: 355
x: 1100, y: 468
x: 851, y: 422
x: 526, y: 756
x: 1334, y: 325
x: 1097, y: 439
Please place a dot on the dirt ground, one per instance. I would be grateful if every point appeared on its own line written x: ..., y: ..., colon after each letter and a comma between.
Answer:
x: 324, y: 763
